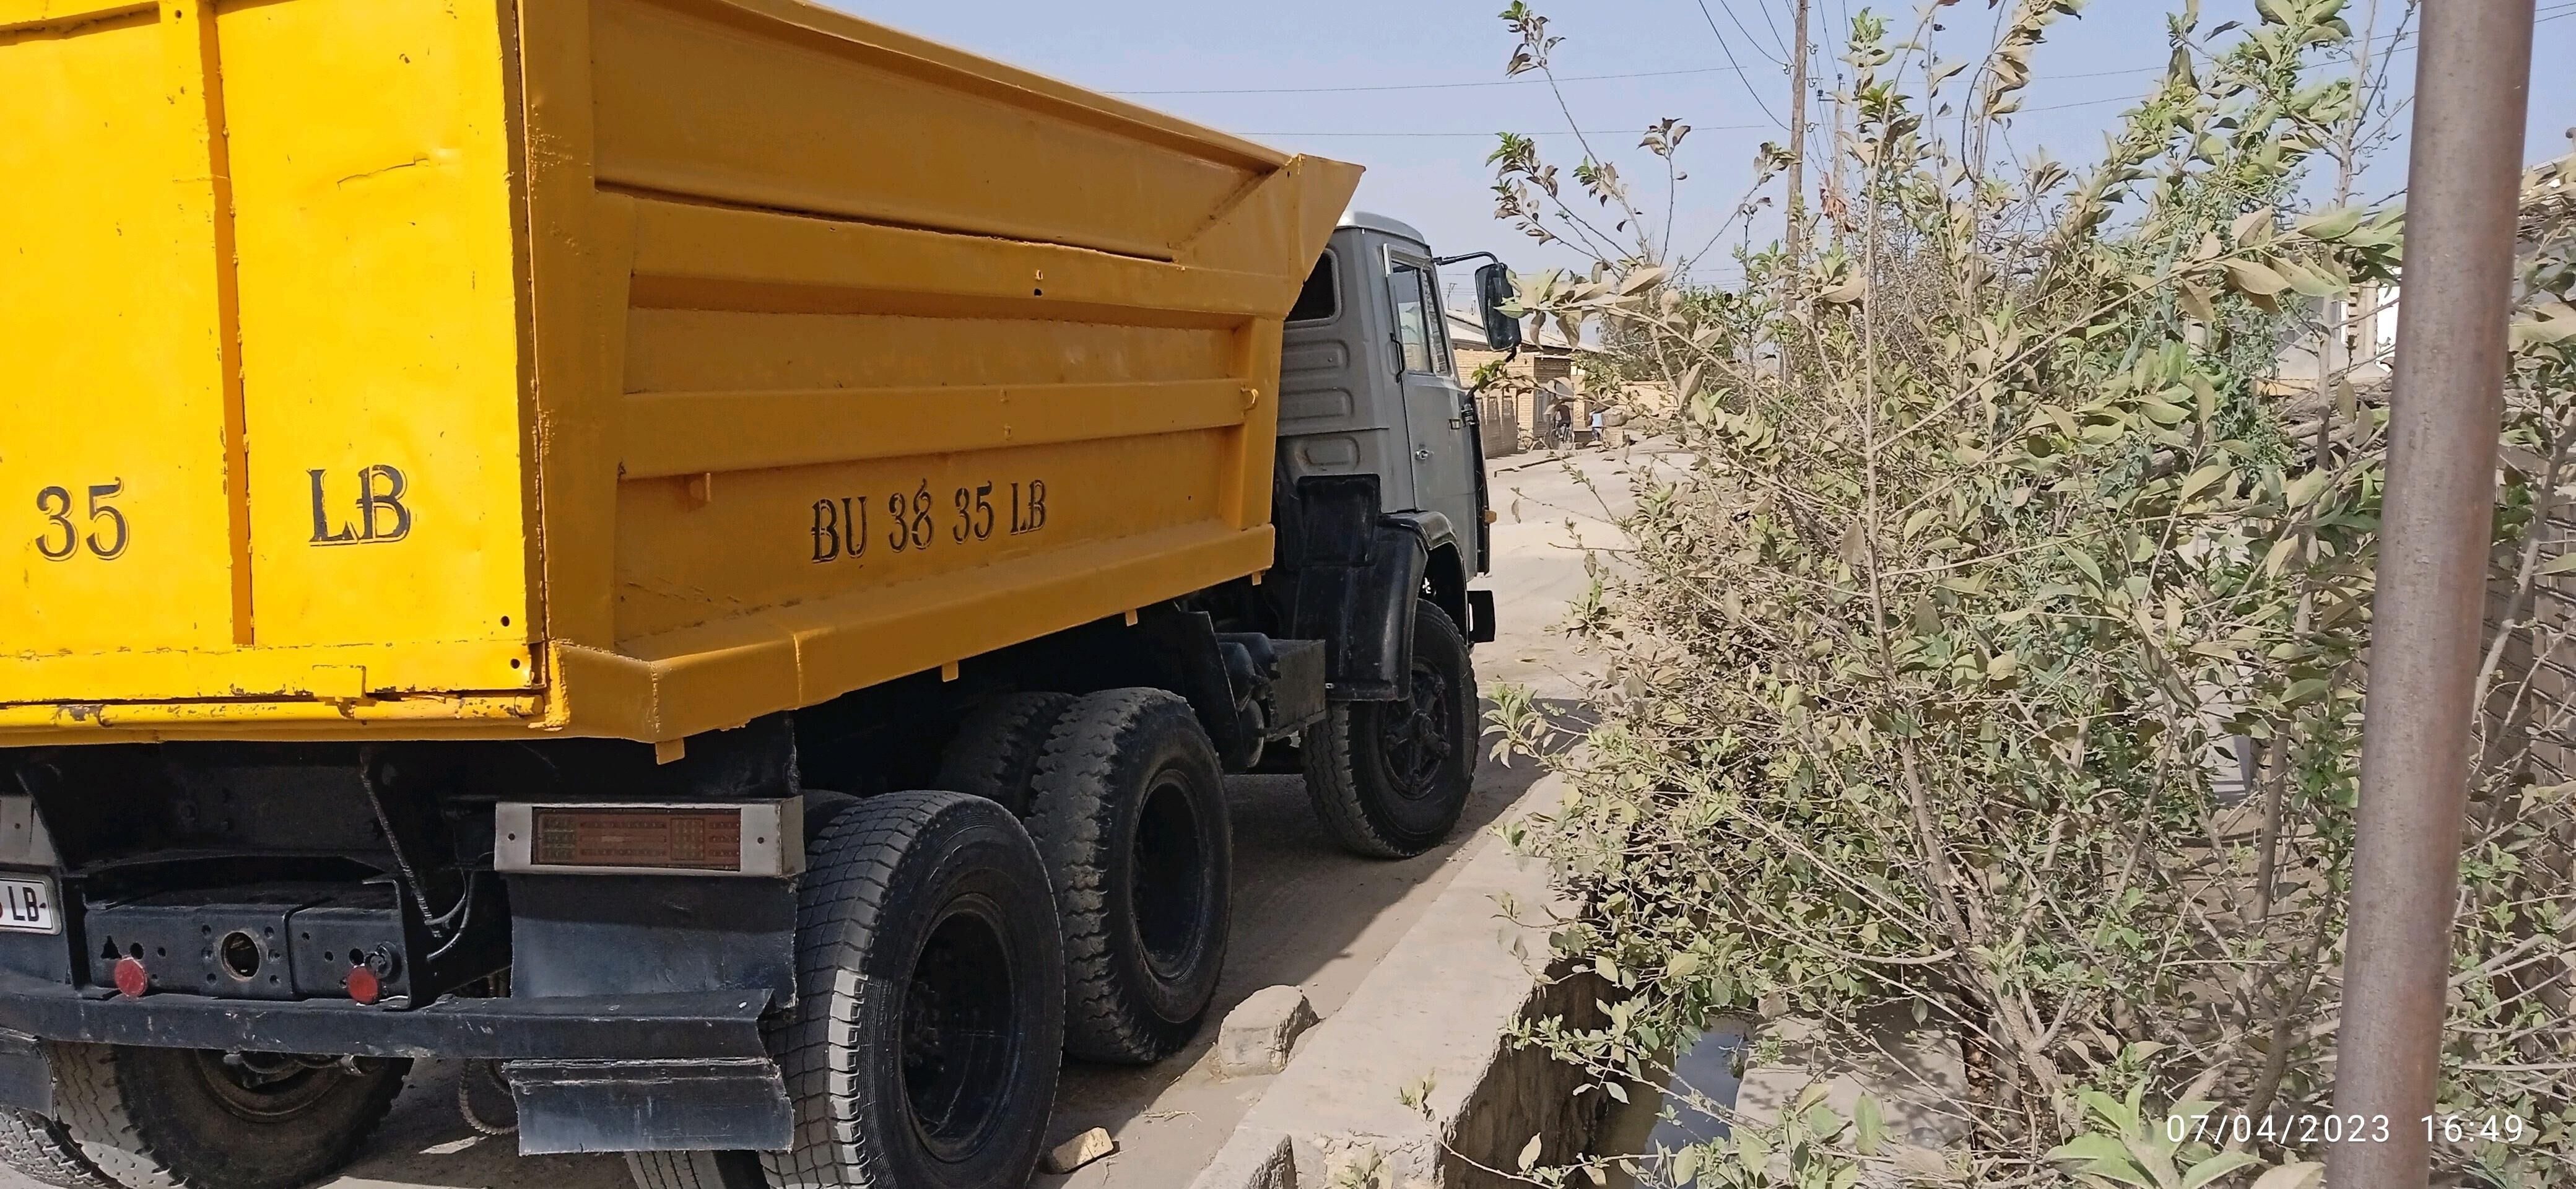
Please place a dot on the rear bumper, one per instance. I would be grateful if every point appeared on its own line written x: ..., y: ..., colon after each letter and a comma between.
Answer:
x: 692, y: 1025
x: 590, y: 1073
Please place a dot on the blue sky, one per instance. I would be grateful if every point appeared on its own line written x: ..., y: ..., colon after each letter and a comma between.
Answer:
x: 1290, y: 74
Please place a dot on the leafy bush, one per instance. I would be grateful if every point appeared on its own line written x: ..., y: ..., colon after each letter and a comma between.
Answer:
x: 1998, y: 651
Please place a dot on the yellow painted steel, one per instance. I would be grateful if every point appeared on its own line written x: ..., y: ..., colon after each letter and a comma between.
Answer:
x: 603, y: 367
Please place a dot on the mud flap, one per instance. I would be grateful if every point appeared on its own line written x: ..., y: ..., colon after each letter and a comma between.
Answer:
x: 1356, y: 587
x: 650, y: 1106
x: 26, y: 1073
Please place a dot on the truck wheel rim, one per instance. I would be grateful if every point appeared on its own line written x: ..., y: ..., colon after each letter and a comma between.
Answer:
x: 958, y: 1038
x: 1416, y: 739
x: 266, y: 1087
x: 1167, y: 891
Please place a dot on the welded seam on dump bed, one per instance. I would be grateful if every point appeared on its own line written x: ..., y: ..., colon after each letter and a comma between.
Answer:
x: 70, y: 23
x: 209, y: 80
x: 1002, y: 232
x: 664, y: 434
x: 709, y: 255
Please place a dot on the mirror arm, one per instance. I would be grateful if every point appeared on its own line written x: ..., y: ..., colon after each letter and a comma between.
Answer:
x: 1446, y: 261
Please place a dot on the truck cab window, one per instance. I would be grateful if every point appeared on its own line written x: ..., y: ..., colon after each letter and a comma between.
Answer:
x: 1321, y: 299
x: 1416, y: 318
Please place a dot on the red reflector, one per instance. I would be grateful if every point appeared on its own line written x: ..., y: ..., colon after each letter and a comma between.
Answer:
x: 131, y: 978
x: 364, y: 986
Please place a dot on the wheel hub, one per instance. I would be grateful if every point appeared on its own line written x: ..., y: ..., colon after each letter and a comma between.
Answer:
x: 1166, y: 888
x: 1415, y: 738
x: 266, y: 1087
x: 957, y: 1035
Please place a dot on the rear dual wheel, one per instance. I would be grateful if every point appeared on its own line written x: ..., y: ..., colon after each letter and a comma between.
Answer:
x: 1128, y: 807
x: 942, y: 970
x: 923, y: 1049
x: 149, y: 1118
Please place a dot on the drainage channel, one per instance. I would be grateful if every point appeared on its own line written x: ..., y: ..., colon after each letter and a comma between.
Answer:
x: 1665, y: 1118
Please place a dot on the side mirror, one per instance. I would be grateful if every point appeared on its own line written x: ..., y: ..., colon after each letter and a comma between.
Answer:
x: 1493, y: 292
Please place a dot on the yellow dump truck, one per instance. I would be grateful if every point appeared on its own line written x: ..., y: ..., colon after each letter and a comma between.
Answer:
x: 706, y: 552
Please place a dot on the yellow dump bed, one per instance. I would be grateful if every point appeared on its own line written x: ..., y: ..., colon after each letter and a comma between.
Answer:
x: 604, y: 367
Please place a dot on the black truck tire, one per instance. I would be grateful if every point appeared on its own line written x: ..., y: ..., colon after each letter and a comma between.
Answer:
x: 696, y: 1170
x: 43, y: 1150
x: 1389, y: 779
x: 923, y: 1048
x: 172, y: 1118
x: 1130, y: 814
x: 995, y: 753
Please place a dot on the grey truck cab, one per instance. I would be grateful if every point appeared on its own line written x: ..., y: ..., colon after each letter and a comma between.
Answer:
x: 1370, y: 392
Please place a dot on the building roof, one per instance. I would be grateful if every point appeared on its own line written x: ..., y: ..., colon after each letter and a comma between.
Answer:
x: 1467, y: 329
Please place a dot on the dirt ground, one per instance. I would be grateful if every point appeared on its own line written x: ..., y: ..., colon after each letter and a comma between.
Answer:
x: 1305, y: 914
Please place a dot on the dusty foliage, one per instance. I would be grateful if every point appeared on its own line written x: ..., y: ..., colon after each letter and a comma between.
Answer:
x: 1995, y: 655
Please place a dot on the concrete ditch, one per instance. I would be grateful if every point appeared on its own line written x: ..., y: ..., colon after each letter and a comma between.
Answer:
x: 1436, y: 1010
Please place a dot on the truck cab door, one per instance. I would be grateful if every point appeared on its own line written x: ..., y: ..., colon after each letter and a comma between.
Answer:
x: 1442, y: 434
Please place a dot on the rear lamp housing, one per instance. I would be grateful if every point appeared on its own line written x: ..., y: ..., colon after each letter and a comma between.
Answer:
x: 740, y: 838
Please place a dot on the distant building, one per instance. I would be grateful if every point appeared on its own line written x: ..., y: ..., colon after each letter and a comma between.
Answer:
x: 1515, y: 410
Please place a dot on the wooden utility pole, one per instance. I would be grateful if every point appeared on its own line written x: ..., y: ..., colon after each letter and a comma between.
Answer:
x: 1798, y: 140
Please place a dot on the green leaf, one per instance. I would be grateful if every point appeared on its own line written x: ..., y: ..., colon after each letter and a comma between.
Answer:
x: 2110, y: 1110
x: 2557, y: 565
x: 2254, y: 279
x: 2084, y: 561
x: 2300, y: 1174
x: 2331, y: 224
x: 1685, y: 1167
x: 2305, y: 280
x: 2215, y: 1167
x: 2202, y: 478
x: 2103, y: 1157
x: 1869, y: 1125
x: 2279, y: 556
x: 1529, y: 1153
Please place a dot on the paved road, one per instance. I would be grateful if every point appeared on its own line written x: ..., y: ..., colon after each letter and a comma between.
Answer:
x: 1305, y: 913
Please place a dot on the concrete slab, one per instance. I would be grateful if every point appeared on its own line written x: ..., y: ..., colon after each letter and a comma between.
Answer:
x: 1431, y: 1015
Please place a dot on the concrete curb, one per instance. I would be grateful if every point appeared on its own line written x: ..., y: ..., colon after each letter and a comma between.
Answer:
x: 1437, y: 1006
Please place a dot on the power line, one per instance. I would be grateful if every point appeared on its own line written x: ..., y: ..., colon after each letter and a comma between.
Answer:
x: 1780, y: 58
x: 1739, y: 68
x: 1763, y: 7
x: 2566, y: 7
x: 1497, y: 82
x: 2553, y: 12
x: 1490, y: 135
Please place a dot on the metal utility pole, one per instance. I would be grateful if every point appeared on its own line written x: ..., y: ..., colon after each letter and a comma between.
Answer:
x: 2472, y: 83
x: 1798, y: 139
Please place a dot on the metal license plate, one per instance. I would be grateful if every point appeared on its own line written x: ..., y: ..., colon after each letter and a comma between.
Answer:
x: 27, y: 905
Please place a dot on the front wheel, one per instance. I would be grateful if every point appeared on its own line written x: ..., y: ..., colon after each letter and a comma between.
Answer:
x: 201, y: 1119
x: 1389, y: 779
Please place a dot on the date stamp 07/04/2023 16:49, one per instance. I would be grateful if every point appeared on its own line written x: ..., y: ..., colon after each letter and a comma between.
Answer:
x: 2220, y: 1127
